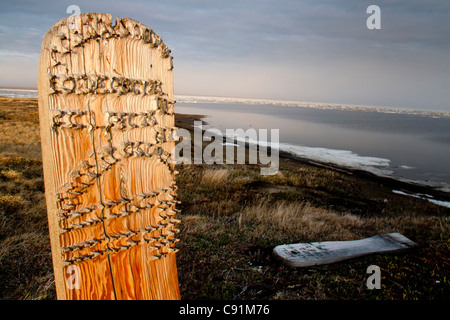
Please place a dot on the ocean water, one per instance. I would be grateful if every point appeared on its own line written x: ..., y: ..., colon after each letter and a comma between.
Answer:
x: 408, y: 145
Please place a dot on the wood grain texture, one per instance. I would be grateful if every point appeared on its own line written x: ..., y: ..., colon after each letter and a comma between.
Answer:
x: 106, y: 113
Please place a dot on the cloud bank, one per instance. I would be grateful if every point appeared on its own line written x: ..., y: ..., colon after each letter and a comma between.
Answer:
x: 318, y: 51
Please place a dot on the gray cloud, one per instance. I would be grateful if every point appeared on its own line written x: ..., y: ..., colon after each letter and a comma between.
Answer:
x: 303, y: 50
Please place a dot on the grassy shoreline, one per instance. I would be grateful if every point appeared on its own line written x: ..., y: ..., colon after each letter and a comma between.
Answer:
x: 232, y: 217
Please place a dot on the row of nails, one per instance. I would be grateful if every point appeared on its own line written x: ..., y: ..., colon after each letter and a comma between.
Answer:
x: 139, y: 149
x: 66, y: 206
x: 122, y: 124
x: 167, y: 224
x: 102, y: 84
x: 129, y: 234
x: 144, y: 149
x: 93, y: 254
x: 122, y: 120
x: 118, y: 120
x: 81, y: 29
x: 71, y: 190
x: 162, y: 248
x: 68, y: 214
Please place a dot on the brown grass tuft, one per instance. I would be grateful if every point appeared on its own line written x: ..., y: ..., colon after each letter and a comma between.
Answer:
x: 212, y: 177
x: 302, y: 220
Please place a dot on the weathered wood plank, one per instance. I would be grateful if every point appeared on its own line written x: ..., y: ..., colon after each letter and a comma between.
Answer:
x: 326, y: 252
x: 106, y: 112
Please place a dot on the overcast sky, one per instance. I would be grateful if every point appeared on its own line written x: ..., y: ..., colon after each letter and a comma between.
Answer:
x: 304, y: 50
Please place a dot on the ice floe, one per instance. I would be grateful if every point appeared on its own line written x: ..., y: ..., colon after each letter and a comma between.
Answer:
x: 342, y: 158
x: 424, y: 197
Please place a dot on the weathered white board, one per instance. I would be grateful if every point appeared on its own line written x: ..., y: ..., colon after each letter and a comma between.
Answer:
x: 326, y: 252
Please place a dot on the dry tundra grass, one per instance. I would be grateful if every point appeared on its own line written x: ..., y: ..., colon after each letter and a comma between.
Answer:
x: 213, y: 177
x: 301, y: 219
x: 232, y: 217
x: 19, y: 129
x: 231, y: 225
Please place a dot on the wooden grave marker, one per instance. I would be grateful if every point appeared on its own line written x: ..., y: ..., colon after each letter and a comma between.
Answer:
x: 106, y: 113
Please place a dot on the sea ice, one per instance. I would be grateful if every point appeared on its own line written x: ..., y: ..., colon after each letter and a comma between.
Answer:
x: 424, y: 197
x: 317, y: 105
x: 343, y: 158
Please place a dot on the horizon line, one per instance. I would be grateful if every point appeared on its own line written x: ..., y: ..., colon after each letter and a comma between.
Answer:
x: 286, y: 102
